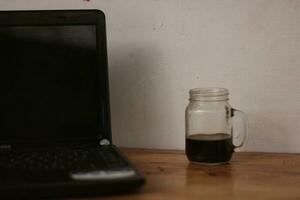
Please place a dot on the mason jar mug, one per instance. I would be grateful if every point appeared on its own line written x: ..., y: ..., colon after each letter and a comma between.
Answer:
x: 211, y: 136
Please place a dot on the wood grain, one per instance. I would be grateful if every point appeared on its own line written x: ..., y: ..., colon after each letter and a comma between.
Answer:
x: 248, y: 176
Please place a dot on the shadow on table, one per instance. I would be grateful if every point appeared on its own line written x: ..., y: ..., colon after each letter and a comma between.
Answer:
x: 210, y: 181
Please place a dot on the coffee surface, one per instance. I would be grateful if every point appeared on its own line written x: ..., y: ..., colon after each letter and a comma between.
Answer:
x: 209, y: 148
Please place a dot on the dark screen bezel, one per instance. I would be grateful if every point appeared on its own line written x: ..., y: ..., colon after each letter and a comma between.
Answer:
x: 70, y: 17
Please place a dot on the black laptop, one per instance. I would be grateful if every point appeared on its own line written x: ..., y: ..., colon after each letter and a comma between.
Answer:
x: 55, y: 133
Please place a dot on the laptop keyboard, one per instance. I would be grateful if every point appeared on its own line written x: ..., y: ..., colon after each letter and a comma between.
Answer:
x: 77, y: 159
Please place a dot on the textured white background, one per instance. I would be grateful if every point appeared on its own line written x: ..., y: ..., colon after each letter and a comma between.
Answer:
x: 158, y: 49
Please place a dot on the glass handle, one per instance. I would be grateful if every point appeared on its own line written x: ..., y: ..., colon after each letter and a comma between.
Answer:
x: 244, y: 133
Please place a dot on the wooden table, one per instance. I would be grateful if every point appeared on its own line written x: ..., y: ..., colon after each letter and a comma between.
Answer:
x: 250, y: 176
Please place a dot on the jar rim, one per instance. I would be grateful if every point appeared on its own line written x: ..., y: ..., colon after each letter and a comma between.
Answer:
x: 209, y: 92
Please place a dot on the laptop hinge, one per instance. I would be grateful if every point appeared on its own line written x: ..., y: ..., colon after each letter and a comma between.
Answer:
x: 5, y: 147
x: 104, y: 142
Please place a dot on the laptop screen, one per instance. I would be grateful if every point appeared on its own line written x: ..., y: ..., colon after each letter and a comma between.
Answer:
x: 48, y: 82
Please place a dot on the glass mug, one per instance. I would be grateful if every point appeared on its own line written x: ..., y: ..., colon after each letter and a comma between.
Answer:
x: 209, y: 129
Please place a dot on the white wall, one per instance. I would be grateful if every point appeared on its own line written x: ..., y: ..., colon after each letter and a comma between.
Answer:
x: 158, y: 49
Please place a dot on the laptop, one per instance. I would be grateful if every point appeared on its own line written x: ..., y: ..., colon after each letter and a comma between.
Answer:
x: 55, y: 132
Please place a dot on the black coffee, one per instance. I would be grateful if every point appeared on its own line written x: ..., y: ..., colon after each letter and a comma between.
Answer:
x: 212, y: 148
